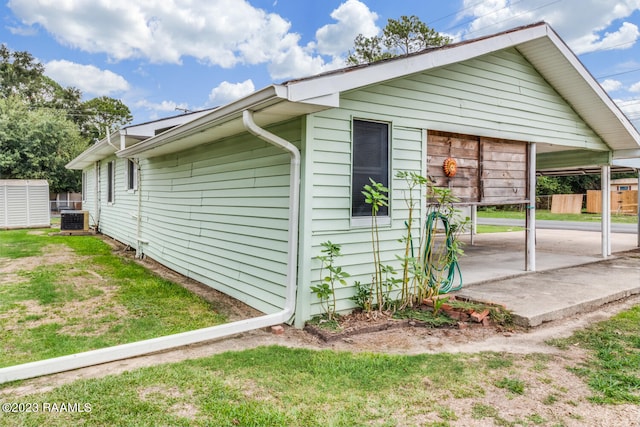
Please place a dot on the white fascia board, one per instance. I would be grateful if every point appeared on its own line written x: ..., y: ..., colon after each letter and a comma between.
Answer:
x: 98, y: 151
x: 350, y: 79
x: 222, y: 114
x: 627, y: 154
x: 628, y: 163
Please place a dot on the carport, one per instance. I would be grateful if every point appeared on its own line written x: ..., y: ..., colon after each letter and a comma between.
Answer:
x: 571, y: 278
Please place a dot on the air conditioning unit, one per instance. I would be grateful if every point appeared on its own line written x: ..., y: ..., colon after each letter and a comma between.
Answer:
x: 74, y: 221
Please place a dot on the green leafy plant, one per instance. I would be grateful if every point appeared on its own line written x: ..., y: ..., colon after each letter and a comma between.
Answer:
x: 325, y: 290
x: 376, y: 196
x: 413, y: 181
x: 363, y: 296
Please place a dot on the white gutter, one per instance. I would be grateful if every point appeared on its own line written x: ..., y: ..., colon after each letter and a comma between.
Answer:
x: 125, y: 351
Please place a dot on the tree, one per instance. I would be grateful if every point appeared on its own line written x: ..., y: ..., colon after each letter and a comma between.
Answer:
x: 23, y: 76
x: 102, y: 113
x: 36, y: 143
x: 400, y: 37
x: 43, y: 125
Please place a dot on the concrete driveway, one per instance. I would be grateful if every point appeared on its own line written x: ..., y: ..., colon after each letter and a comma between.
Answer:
x: 571, y: 275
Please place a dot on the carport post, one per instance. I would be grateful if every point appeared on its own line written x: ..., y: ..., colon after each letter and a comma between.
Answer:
x: 638, y: 206
x: 605, y: 189
x: 530, y: 259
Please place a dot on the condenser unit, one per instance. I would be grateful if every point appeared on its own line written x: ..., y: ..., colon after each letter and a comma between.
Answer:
x: 74, y: 221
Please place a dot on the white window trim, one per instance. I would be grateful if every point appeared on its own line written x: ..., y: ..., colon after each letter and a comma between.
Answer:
x: 111, y: 186
x: 367, y: 221
x: 382, y: 220
x: 131, y: 166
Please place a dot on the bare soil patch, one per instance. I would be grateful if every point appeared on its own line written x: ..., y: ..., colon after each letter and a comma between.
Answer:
x: 80, y: 317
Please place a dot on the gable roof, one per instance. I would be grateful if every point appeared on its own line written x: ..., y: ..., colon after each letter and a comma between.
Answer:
x: 538, y: 43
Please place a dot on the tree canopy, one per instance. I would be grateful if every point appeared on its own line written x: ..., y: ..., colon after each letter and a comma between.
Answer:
x: 42, y: 123
x: 400, y: 37
x: 37, y: 144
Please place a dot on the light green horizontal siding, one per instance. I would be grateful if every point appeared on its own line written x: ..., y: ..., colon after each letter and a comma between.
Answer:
x: 218, y: 213
x: 118, y: 219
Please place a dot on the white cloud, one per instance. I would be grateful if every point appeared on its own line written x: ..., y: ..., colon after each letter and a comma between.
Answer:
x: 216, y: 32
x: 163, y: 106
x: 226, y: 92
x: 581, y: 23
x: 624, y: 38
x: 353, y: 17
x: 611, y: 85
x: 221, y: 33
x: 635, y: 88
x: 88, y: 78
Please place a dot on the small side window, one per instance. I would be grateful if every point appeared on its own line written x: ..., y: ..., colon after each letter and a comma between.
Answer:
x: 132, y: 175
x: 111, y: 179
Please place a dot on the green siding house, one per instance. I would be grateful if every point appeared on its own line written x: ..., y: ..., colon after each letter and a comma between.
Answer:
x: 241, y: 197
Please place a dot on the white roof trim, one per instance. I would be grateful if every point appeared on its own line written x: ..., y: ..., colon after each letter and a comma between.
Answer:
x: 353, y: 78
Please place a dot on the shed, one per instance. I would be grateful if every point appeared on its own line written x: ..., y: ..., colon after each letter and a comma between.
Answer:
x: 24, y: 204
x: 242, y: 197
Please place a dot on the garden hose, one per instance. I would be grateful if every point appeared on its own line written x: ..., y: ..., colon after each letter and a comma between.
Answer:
x: 451, y: 266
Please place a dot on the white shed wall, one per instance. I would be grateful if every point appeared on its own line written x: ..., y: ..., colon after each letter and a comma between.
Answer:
x: 24, y: 204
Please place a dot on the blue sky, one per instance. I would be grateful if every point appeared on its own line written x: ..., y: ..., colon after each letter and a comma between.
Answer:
x: 192, y: 54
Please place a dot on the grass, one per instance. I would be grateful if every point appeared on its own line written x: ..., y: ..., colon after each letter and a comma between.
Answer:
x: 514, y: 385
x: 543, y: 214
x: 91, y: 299
x: 290, y: 387
x: 482, y: 228
x: 274, y: 386
x: 613, y: 371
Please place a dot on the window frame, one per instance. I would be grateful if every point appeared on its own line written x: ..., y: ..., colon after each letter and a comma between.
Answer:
x: 132, y: 176
x: 367, y: 220
x: 111, y: 182
x: 84, y: 185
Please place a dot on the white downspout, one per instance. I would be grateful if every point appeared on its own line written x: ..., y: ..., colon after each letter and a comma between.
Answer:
x: 139, y: 240
x: 294, y: 200
x: 125, y: 351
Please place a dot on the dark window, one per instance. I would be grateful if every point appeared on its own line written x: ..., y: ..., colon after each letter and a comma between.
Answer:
x: 370, y: 160
x: 111, y: 177
x: 132, y: 173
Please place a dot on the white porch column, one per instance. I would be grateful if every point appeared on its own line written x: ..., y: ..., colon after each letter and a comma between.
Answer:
x: 605, y: 186
x: 474, y: 222
x: 530, y: 259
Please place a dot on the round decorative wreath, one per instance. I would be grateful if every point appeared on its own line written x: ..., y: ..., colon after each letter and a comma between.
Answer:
x: 450, y: 167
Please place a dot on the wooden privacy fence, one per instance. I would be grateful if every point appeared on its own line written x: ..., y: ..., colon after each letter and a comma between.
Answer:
x: 622, y: 202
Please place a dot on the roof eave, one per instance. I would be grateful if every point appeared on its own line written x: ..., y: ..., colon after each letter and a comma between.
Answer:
x: 271, y: 104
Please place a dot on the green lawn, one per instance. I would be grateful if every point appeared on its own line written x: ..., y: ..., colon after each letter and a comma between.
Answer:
x: 282, y: 386
x: 61, y: 295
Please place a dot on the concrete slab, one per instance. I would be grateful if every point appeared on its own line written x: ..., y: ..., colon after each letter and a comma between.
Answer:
x: 571, y: 277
